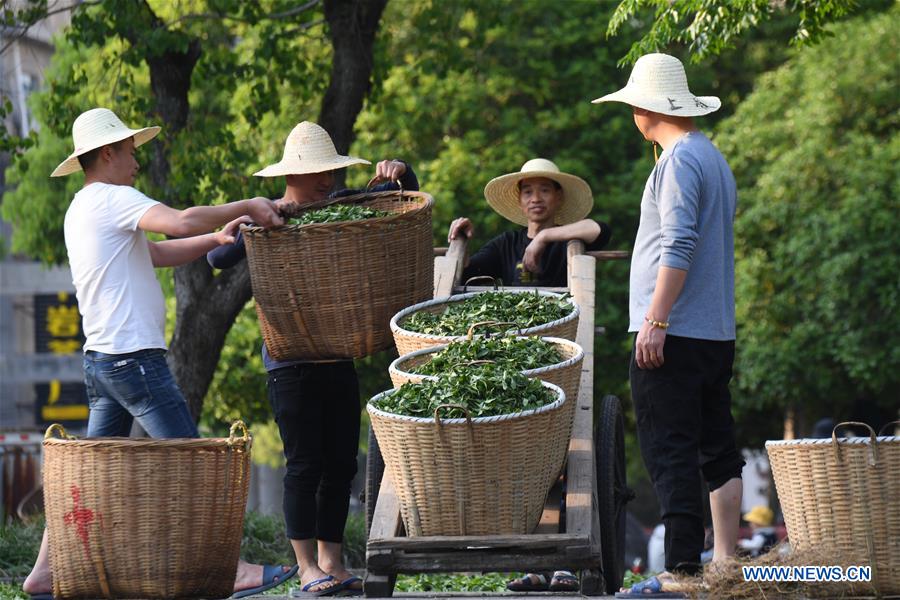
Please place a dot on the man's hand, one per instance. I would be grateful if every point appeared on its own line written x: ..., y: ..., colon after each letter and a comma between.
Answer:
x: 533, y: 252
x: 227, y: 234
x: 461, y: 227
x: 389, y: 170
x: 262, y: 211
x: 648, y: 347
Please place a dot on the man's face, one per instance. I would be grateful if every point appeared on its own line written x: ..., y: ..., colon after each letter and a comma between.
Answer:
x: 642, y: 121
x: 123, y: 166
x: 312, y: 187
x: 539, y: 199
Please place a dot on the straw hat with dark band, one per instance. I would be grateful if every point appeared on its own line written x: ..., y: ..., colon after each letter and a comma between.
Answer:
x: 502, y: 193
x: 97, y: 128
x: 658, y: 84
x: 309, y: 149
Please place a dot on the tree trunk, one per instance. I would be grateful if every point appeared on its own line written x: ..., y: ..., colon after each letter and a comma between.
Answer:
x: 352, y: 25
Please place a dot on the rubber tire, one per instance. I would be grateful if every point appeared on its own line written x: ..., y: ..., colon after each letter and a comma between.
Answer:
x: 612, y: 490
x: 374, y: 472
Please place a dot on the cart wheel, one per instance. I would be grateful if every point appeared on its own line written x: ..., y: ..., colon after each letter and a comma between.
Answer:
x: 612, y: 491
x: 374, y: 471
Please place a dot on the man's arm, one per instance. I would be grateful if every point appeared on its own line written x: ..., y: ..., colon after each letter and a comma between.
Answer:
x: 172, y: 253
x: 648, y: 346
x: 586, y: 230
x: 203, y: 219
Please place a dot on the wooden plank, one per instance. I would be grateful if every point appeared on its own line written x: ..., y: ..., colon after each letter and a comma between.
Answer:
x: 580, y: 473
x: 448, y: 268
x: 503, y: 561
x: 386, y: 519
x: 549, y: 522
x: 609, y: 254
x: 460, y: 289
x: 534, y: 541
x: 573, y: 248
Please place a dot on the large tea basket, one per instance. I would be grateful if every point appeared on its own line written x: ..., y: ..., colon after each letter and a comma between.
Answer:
x: 410, y: 341
x: 329, y: 290
x: 472, y: 476
x: 145, y: 518
x: 842, y: 495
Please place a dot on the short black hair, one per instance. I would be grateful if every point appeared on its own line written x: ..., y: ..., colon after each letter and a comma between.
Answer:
x: 90, y: 157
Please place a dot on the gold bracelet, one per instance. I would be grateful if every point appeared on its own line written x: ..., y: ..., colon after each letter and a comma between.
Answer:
x: 660, y: 324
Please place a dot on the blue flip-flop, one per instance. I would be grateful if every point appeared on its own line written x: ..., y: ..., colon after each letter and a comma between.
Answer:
x: 347, y: 588
x: 273, y: 576
x: 41, y: 596
x: 330, y: 591
x: 649, y: 588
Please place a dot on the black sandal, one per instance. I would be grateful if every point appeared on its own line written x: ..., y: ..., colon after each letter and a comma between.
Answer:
x: 529, y: 582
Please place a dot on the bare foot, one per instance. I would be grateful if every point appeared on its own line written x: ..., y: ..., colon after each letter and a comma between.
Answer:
x: 38, y: 581
x: 313, y: 573
x: 250, y: 576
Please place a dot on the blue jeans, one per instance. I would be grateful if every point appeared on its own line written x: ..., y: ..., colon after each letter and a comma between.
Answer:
x: 137, y: 385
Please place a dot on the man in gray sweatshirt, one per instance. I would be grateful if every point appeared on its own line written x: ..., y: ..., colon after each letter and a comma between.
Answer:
x: 682, y: 310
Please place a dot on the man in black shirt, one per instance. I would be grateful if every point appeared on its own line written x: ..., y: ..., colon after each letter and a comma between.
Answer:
x: 552, y: 207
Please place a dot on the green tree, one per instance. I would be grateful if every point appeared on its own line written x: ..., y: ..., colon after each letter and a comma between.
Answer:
x: 226, y: 79
x: 814, y: 150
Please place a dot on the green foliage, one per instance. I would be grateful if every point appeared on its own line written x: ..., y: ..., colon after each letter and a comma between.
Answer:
x: 455, y: 582
x: 338, y: 212
x: 19, y: 543
x: 708, y: 27
x: 508, y: 309
x: 814, y: 150
x: 517, y: 353
x: 486, y: 390
x: 264, y: 541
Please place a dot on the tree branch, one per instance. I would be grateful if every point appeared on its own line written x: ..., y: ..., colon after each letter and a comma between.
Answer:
x: 275, y: 16
x: 26, y: 26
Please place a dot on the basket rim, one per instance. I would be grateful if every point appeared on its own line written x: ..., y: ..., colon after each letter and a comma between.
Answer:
x: 859, y: 440
x: 560, y: 400
x: 424, y: 199
x: 151, y: 443
x: 579, y: 355
x: 395, y: 320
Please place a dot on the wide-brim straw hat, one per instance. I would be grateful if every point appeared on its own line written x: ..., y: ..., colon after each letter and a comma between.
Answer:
x: 658, y: 83
x: 502, y: 193
x: 309, y: 149
x: 97, y: 128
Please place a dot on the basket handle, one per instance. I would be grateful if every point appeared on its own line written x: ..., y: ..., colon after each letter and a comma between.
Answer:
x: 873, y: 448
x: 377, y: 179
x: 886, y: 425
x: 481, y: 361
x: 471, y: 333
x: 439, y: 425
x: 244, y: 438
x: 497, y: 283
x: 61, y: 432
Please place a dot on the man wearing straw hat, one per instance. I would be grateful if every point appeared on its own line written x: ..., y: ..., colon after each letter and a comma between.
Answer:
x: 551, y: 206
x: 121, y: 302
x: 316, y: 404
x: 682, y: 309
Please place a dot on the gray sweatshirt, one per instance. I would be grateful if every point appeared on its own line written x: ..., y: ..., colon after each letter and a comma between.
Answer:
x: 687, y: 222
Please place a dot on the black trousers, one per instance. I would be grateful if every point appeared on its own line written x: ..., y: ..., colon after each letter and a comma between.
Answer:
x: 685, y: 428
x: 317, y: 410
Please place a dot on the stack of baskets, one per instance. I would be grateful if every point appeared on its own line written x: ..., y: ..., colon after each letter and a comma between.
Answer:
x: 841, y: 496
x: 482, y: 475
x: 328, y: 290
x: 145, y: 518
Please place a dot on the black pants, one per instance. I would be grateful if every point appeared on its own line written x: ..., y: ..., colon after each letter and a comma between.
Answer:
x: 317, y: 410
x: 685, y: 428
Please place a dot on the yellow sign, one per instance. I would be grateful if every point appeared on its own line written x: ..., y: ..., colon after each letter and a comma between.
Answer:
x: 66, y: 412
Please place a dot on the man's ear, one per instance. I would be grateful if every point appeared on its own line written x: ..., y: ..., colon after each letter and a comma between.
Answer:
x: 106, y: 153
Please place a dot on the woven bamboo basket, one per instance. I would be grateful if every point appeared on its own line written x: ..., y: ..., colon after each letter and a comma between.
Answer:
x: 472, y: 476
x: 328, y: 290
x: 410, y: 341
x: 565, y: 374
x: 145, y: 518
x: 842, y: 494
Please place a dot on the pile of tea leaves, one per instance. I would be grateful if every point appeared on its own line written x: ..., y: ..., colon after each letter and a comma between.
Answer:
x: 518, y: 353
x: 337, y: 212
x: 525, y: 309
x: 485, y: 390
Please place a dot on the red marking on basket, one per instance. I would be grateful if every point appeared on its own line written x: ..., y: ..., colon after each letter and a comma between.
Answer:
x: 80, y: 517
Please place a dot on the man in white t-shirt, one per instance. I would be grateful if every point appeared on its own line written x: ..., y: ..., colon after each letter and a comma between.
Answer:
x: 122, y: 305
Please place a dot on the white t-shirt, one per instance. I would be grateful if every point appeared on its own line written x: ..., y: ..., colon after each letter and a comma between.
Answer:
x: 118, y: 295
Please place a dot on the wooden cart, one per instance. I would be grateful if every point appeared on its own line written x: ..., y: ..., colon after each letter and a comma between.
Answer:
x: 583, y: 523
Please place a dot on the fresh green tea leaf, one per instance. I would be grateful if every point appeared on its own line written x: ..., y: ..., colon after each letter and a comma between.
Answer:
x: 521, y: 354
x: 338, y: 212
